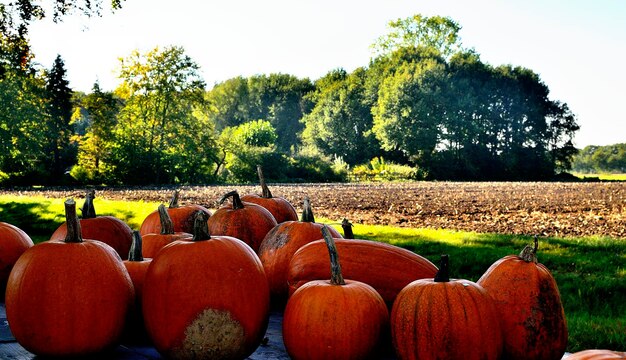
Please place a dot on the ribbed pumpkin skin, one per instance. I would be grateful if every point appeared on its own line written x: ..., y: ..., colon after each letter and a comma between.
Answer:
x: 387, y: 268
x: 281, y: 209
x: 189, y: 282
x: 153, y: 243
x: 446, y: 321
x: 68, y: 299
x: 531, y: 314
x: 324, y: 321
x: 13, y: 242
x: 278, y: 247
x: 596, y: 354
x: 182, y: 217
x: 108, y: 229
x: 249, y: 224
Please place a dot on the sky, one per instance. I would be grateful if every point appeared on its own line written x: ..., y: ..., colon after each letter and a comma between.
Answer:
x: 578, y: 47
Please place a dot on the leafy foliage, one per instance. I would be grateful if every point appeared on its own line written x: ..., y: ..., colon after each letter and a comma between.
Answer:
x: 601, y: 159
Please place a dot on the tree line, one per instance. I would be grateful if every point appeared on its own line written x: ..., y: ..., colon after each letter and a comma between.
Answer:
x: 595, y: 159
x: 423, y: 102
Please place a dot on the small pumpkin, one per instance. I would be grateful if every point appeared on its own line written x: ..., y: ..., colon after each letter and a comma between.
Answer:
x: 334, y: 319
x: 529, y: 305
x: 181, y: 216
x: 245, y: 221
x: 282, y: 242
x: 441, y: 318
x: 137, y: 267
x: 108, y: 229
x: 597, y: 354
x: 153, y: 242
x: 281, y: 209
x: 68, y: 297
x: 13, y: 242
x: 206, y: 298
x: 387, y: 268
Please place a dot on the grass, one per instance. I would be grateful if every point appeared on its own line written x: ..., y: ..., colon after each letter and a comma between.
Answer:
x: 603, y: 176
x: 590, y: 272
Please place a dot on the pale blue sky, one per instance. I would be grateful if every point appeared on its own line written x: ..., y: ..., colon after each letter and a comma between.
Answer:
x: 578, y: 47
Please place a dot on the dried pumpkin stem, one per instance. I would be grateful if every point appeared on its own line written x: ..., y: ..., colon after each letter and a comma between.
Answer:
x: 135, y: 253
x: 88, y: 211
x: 336, y: 278
x: 237, y: 203
x: 307, y: 212
x: 200, y: 226
x: 174, y: 200
x: 71, y: 221
x: 347, y: 229
x: 167, y: 226
x: 266, y: 193
x: 529, y: 253
x: 443, y: 275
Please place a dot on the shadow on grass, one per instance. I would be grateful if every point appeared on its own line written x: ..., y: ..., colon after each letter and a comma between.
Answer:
x: 36, y: 219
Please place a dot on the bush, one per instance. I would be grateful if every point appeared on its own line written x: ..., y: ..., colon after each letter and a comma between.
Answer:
x: 379, y: 170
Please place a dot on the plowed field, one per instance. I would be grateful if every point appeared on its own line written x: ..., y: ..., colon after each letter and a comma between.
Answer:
x: 549, y: 209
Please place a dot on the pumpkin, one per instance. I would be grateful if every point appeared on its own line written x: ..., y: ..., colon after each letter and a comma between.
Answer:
x: 387, y: 268
x: 282, y: 242
x: 206, y: 298
x: 153, y: 242
x: 137, y: 267
x: 441, y: 318
x: 529, y: 305
x: 334, y: 319
x: 108, y: 229
x: 181, y: 216
x: 13, y: 243
x: 68, y: 297
x: 597, y: 354
x: 245, y: 221
x: 281, y: 209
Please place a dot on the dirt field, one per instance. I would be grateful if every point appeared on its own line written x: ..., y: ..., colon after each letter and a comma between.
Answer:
x: 549, y: 209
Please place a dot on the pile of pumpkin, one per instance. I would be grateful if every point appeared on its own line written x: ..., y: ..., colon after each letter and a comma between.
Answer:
x: 201, y: 286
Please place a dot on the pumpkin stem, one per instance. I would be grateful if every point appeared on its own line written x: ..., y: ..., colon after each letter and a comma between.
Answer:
x: 336, y: 278
x: 307, y: 212
x: 529, y: 253
x: 174, y: 200
x: 347, y: 229
x: 267, y: 194
x: 443, y: 275
x: 167, y: 226
x: 135, y: 253
x: 201, y: 226
x: 71, y: 221
x: 88, y: 211
x: 237, y: 203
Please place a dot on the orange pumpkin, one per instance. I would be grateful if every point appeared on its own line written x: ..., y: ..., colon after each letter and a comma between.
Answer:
x: 206, y: 298
x: 153, y: 242
x: 108, y: 229
x: 13, y: 243
x: 181, y: 217
x: 282, y: 242
x: 387, y: 268
x: 68, y: 297
x: 245, y: 221
x: 334, y: 319
x: 442, y: 318
x: 137, y: 267
x: 529, y: 305
x: 281, y: 209
x: 596, y: 354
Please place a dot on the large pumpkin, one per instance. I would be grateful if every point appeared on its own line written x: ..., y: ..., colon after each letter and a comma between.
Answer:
x: 281, y: 209
x: 153, y: 242
x: 13, y: 243
x: 597, y: 354
x: 108, y: 229
x: 448, y: 319
x: 529, y: 305
x: 207, y: 298
x: 68, y: 297
x: 334, y: 319
x: 245, y: 221
x: 282, y: 242
x: 181, y: 216
x: 387, y: 268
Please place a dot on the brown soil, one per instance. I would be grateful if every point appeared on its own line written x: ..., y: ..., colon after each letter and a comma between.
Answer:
x: 549, y: 209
